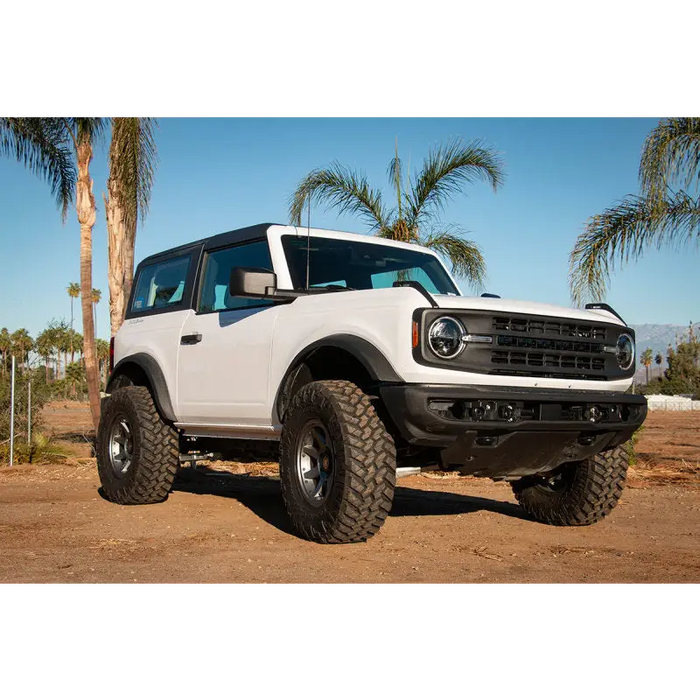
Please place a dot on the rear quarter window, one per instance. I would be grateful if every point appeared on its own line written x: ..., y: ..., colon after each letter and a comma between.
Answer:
x: 161, y: 285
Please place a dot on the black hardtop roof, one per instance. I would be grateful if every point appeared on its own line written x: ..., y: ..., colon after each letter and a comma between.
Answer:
x: 217, y: 241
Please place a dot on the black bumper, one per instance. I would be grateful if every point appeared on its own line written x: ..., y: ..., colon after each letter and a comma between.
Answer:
x: 505, y: 431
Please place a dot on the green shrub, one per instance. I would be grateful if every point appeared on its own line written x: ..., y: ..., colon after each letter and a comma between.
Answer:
x: 631, y: 443
x: 43, y: 450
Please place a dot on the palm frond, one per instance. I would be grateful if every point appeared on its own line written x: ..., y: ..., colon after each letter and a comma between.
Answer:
x: 448, y: 168
x: 394, y: 173
x: 622, y: 232
x: 42, y: 146
x: 671, y: 153
x: 342, y: 188
x: 133, y: 159
x: 464, y: 256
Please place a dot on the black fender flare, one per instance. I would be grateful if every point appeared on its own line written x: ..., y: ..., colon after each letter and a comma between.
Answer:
x: 154, y: 374
x: 369, y: 356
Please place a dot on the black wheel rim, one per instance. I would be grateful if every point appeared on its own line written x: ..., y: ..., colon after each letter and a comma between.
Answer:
x: 314, y: 463
x: 120, y: 445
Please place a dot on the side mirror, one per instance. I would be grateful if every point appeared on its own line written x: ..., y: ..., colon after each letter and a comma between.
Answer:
x: 255, y: 282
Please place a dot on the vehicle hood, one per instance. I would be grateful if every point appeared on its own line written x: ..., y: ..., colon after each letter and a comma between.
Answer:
x: 409, y: 298
x: 446, y: 301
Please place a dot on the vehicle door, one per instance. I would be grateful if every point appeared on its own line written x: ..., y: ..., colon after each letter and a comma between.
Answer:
x: 226, y: 345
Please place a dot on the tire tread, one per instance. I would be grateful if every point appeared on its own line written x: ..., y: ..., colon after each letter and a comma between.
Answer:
x: 595, y: 490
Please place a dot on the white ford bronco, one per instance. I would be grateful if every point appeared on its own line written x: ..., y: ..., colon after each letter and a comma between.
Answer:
x: 356, y: 360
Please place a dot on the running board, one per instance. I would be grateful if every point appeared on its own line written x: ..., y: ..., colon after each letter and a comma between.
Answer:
x: 401, y: 472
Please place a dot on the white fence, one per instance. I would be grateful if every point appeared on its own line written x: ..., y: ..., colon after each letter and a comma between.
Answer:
x: 659, y: 402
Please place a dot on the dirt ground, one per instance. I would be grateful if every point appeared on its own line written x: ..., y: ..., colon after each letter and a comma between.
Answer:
x: 225, y: 523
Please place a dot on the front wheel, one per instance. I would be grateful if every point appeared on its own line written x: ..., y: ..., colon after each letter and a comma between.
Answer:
x: 137, y: 451
x: 578, y: 493
x: 337, y: 464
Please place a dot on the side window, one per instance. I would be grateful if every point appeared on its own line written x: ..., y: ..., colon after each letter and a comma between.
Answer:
x: 161, y: 284
x: 214, y: 295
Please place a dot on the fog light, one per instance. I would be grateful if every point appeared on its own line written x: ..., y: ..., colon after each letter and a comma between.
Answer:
x: 508, y: 413
x: 594, y: 414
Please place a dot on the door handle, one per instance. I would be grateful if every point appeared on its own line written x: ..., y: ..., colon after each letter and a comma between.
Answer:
x: 191, y: 339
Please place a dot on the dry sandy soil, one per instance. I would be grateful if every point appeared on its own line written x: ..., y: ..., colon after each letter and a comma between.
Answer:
x: 225, y: 523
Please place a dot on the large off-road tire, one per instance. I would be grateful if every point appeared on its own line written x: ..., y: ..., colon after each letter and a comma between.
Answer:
x: 578, y: 493
x: 137, y: 451
x: 337, y: 464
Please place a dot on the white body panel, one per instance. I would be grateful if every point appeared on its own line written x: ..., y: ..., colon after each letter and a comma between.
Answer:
x: 230, y: 380
x: 224, y: 379
x: 157, y: 336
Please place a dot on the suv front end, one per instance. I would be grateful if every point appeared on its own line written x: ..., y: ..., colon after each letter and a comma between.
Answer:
x: 536, y: 390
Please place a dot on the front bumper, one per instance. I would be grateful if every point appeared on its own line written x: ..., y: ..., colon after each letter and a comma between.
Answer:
x: 502, y: 432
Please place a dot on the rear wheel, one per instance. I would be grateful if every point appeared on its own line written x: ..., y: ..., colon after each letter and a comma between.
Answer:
x: 137, y: 451
x: 337, y: 464
x: 578, y: 493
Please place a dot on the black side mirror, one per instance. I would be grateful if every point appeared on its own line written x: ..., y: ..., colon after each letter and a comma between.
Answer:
x: 255, y: 282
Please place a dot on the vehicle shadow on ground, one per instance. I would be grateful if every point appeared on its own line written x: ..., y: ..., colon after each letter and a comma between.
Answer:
x: 261, y: 495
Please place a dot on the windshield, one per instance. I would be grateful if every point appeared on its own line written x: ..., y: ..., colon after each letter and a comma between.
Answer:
x: 354, y: 265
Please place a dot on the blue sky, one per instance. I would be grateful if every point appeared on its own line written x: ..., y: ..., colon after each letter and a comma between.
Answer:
x: 219, y: 174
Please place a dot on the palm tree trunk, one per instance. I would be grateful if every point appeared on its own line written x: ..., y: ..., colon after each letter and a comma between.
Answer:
x: 129, y: 268
x: 85, y: 205
x: 117, y: 267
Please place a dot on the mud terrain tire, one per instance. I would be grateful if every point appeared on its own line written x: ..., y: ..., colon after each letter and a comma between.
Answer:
x: 359, y: 455
x: 579, y: 493
x: 153, y: 447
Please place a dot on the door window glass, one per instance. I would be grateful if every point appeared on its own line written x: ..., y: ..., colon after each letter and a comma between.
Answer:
x: 217, y: 271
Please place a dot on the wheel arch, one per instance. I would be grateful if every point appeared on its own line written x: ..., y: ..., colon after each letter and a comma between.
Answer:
x: 142, y: 369
x: 340, y: 356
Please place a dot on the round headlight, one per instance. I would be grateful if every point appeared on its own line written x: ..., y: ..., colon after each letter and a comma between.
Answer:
x: 624, y: 351
x: 446, y: 337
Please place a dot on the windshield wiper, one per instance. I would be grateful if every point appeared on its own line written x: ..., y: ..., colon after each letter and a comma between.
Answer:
x: 419, y: 288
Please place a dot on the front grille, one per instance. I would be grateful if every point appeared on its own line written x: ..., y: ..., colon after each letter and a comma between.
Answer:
x: 539, y: 326
x: 538, y: 359
x: 548, y: 347
x: 529, y: 345
x: 548, y: 344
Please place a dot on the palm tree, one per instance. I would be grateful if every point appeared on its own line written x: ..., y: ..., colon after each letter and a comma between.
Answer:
x: 63, y: 339
x: 73, y: 290
x: 75, y: 373
x: 132, y: 163
x: 45, y: 348
x: 22, y: 342
x: 56, y: 148
x: 78, y: 344
x: 96, y: 296
x: 5, y: 345
x: 646, y: 359
x: 659, y: 360
x: 659, y: 215
x: 445, y: 171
